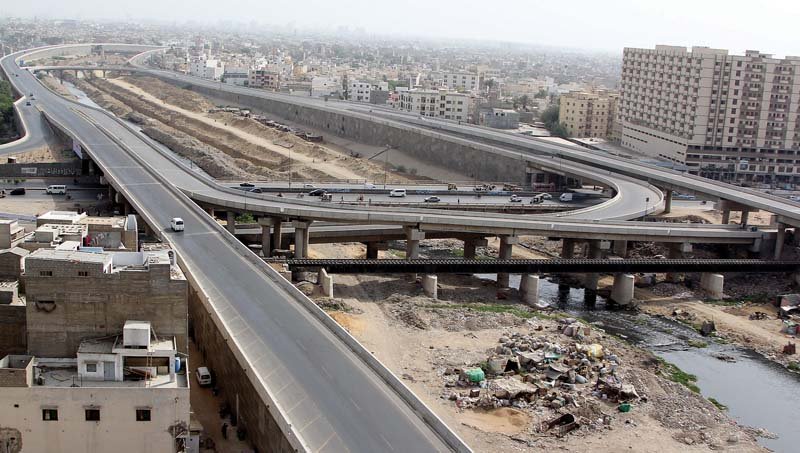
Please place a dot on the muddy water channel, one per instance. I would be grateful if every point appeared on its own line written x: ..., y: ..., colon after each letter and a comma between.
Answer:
x: 757, y: 392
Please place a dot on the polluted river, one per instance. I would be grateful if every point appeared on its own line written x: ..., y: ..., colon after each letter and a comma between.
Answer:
x: 758, y: 393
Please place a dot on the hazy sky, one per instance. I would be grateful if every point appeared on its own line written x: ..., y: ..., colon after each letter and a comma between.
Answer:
x: 769, y: 26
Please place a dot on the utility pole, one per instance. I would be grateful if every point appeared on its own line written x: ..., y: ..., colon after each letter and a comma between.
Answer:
x: 386, y: 165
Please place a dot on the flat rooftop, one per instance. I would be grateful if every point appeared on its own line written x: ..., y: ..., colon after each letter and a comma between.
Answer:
x: 116, y: 222
x: 114, y: 344
x: 72, y: 256
x: 67, y: 376
x: 62, y: 216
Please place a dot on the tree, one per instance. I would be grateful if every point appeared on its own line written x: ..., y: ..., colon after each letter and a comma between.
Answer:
x: 524, y: 101
x: 550, y: 119
x: 541, y: 94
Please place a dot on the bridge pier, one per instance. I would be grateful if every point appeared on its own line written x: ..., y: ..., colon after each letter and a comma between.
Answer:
x: 620, y: 248
x: 567, y: 248
x: 126, y: 208
x: 374, y: 247
x: 676, y: 252
x: 325, y: 282
x: 430, y: 285
x: 529, y: 288
x: 266, y: 239
x: 413, y: 236
x: 471, y: 246
x: 505, y: 253
x: 667, y: 201
x: 230, y: 224
x: 780, y: 238
x: 745, y: 217
x: 277, y: 233
x: 596, y: 248
x: 301, y: 238
x: 712, y: 284
x: 622, y: 291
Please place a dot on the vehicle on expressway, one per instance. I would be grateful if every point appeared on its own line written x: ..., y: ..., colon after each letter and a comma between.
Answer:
x: 397, y: 193
x: 309, y: 186
x: 539, y: 198
x: 433, y: 199
x: 317, y: 192
x: 17, y: 191
x: 565, y: 197
x: 56, y: 189
x: 515, y: 199
x: 247, y: 184
x: 256, y: 190
x: 176, y: 224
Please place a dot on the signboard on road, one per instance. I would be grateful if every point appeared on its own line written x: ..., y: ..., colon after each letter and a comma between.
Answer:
x: 76, y: 147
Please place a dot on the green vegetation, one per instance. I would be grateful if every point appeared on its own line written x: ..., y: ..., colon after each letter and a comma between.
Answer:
x: 245, y: 218
x: 393, y: 84
x: 719, y: 405
x: 697, y: 343
x: 550, y: 119
x: 6, y: 111
x: 541, y: 94
x: 459, y: 253
x: 794, y: 366
x: 675, y: 374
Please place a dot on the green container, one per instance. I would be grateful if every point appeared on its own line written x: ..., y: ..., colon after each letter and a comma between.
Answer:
x: 624, y: 407
x: 475, y: 375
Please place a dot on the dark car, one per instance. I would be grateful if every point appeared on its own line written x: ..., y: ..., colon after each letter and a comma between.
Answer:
x: 18, y: 191
x: 246, y: 184
x: 317, y: 192
x: 433, y: 199
x: 255, y: 190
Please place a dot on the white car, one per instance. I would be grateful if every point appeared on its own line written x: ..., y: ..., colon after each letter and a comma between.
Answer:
x: 309, y: 186
x: 203, y: 376
x: 397, y: 193
x: 515, y: 199
x: 176, y: 224
x: 546, y: 196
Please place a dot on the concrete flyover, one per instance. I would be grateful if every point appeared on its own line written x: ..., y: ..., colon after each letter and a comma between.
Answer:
x: 304, y: 367
x: 305, y: 370
x: 742, y: 198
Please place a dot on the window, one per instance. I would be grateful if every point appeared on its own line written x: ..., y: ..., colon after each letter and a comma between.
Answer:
x: 142, y: 415
x: 45, y: 273
x: 83, y: 273
x: 92, y: 415
x: 91, y: 368
x: 49, y: 415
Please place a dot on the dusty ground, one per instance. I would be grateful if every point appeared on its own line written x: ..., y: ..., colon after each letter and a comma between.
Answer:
x: 715, y: 216
x: 384, y: 312
x: 225, y: 145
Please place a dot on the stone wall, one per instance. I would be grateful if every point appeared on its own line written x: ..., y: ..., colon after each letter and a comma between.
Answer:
x: 426, y: 146
x: 64, y: 310
x: 13, y: 337
x: 38, y: 170
x: 262, y: 430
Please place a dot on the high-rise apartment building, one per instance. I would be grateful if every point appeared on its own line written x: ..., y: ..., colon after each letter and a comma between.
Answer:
x: 729, y: 117
x: 436, y: 103
x: 588, y: 114
x: 462, y: 81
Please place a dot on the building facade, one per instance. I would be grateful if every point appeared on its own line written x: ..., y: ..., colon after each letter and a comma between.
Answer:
x: 462, y: 81
x: 444, y: 104
x: 727, y: 117
x: 500, y: 118
x: 74, y: 295
x: 263, y: 78
x: 588, y: 114
x: 358, y: 91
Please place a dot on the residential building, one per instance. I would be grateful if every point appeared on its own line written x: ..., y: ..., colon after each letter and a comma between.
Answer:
x: 325, y: 86
x: 729, y: 117
x: 500, y: 118
x: 358, y: 91
x: 11, y: 233
x: 588, y: 114
x: 124, y: 393
x: 444, y: 104
x: 461, y: 81
x: 206, y: 68
x: 263, y: 78
x: 111, y: 233
x: 236, y: 75
x: 76, y: 295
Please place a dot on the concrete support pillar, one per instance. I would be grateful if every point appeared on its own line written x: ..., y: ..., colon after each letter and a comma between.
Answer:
x: 529, y: 288
x: 567, y: 248
x: 621, y: 248
x: 430, y: 285
x: 471, y: 246
x: 726, y: 216
x: 231, y: 222
x: 712, y: 284
x: 266, y: 236
x: 301, y: 238
x: 277, y: 233
x: 596, y: 248
x: 622, y: 291
x: 745, y: 217
x: 325, y: 282
x: 667, y: 202
x: 779, y: 240
x: 126, y: 210
x: 505, y: 253
x: 413, y: 236
x: 374, y: 247
x: 112, y: 194
x: 676, y: 252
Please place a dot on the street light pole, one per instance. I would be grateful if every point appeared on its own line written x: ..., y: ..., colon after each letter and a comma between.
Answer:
x: 386, y: 166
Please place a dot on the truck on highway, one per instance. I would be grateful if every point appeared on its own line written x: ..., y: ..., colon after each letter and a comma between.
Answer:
x: 566, y: 197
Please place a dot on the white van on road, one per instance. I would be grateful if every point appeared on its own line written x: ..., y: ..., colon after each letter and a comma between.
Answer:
x: 56, y: 189
x: 176, y: 224
x: 397, y: 193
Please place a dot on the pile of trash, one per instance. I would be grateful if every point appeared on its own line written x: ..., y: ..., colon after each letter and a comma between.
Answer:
x: 532, y: 371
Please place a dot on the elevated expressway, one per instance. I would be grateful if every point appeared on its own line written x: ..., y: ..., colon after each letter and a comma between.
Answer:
x: 306, y: 369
